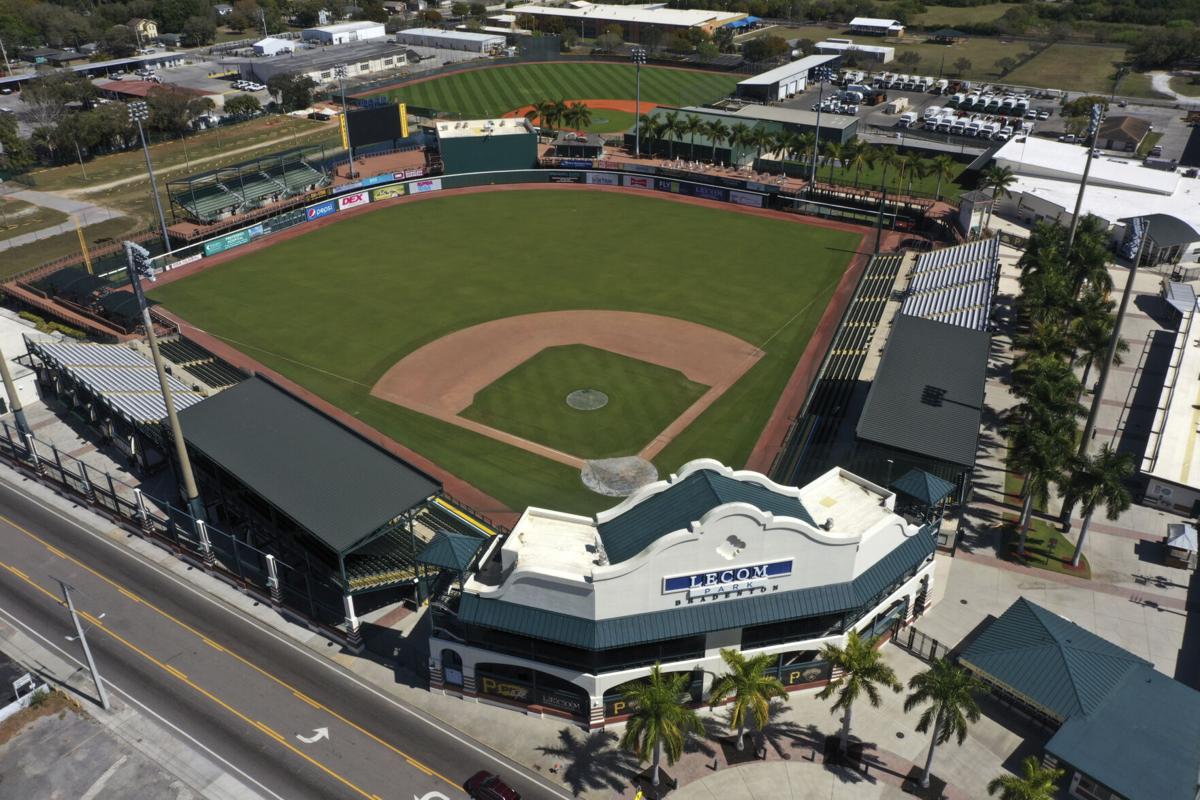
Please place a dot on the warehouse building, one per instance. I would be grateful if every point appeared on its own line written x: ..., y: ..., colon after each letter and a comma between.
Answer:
x: 866, y: 52
x: 877, y: 27
x: 345, y: 33
x: 272, y: 46
x: 636, y: 21
x: 363, y: 58
x: 1122, y: 730
x: 834, y: 127
x: 563, y: 613
x: 782, y: 82
x: 464, y: 41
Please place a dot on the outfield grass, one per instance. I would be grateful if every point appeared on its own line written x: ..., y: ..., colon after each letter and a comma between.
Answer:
x: 335, y: 309
x: 18, y: 217
x: 530, y: 401
x: 497, y: 90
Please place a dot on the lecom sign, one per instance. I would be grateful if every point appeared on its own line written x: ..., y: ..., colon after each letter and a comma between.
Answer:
x: 352, y: 200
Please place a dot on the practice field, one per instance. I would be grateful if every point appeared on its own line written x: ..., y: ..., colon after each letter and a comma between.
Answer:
x: 531, y: 401
x: 494, y: 91
x: 339, y: 309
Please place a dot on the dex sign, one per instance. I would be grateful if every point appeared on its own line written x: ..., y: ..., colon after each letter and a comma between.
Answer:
x: 727, y: 580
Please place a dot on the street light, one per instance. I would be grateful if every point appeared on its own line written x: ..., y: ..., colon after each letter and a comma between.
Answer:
x: 820, y: 75
x: 137, y: 262
x: 102, y: 695
x: 341, y: 73
x: 139, y: 112
x: 639, y: 61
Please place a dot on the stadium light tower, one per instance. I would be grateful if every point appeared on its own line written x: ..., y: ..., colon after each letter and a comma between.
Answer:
x: 820, y: 75
x: 341, y: 73
x: 639, y: 61
x: 137, y: 261
x: 139, y: 112
x: 1092, y: 132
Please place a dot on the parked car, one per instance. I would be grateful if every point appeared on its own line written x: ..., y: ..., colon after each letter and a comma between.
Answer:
x: 484, y: 785
x: 6, y: 90
x: 1043, y: 114
x: 1156, y: 151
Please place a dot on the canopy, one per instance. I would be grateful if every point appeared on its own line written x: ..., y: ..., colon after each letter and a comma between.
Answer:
x: 450, y: 551
x: 920, y: 485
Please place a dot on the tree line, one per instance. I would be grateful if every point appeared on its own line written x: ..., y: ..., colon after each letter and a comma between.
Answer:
x: 661, y: 720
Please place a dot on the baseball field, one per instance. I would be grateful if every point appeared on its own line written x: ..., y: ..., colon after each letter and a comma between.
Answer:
x: 459, y: 324
x: 491, y: 92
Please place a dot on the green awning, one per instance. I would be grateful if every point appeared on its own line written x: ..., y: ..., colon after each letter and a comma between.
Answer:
x: 450, y: 551
x: 923, y: 487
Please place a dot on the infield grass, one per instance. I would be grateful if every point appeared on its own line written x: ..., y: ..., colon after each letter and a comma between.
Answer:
x: 336, y: 308
x: 497, y: 90
x: 531, y: 401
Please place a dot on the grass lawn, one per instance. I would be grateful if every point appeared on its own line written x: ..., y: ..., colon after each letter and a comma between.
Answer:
x: 335, y: 309
x: 18, y: 217
x: 493, y: 91
x: 1187, y: 85
x: 949, y: 16
x: 530, y: 401
x: 870, y: 177
x: 1080, y: 68
x: 28, y: 256
x: 1045, y: 547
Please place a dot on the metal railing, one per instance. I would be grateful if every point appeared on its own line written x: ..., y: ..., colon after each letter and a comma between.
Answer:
x: 919, y: 644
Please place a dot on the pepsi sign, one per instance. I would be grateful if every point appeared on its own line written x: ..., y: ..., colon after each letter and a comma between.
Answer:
x: 320, y: 210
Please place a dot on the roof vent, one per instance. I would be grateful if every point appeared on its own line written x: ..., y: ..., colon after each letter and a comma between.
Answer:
x: 827, y: 525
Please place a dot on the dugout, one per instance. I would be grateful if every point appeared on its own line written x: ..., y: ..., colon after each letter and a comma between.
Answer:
x: 487, y: 145
x: 288, y: 479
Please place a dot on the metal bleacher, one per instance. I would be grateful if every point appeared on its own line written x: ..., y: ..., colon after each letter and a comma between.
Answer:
x: 241, y: 188
x: 200, y: 363
x: 956, y: 284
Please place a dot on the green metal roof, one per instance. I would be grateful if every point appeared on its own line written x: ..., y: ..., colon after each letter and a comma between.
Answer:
x: 450, y: 551
x: 678, y: 506
x: 691, y: 620
x: 1143, y: 741
x: 1050, y: 660
x: 919, y: 484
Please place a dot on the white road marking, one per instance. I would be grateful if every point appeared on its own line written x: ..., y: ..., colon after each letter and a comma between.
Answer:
x: 98, y: 785
x: 318, y: 735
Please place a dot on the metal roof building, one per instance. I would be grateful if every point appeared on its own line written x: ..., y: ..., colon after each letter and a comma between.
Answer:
x: 567, y: 609
x: 451, y: 40
x: 1123, y: 729
x: 781, y: 82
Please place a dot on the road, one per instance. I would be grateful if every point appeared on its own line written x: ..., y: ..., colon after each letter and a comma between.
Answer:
x: 242, y: 691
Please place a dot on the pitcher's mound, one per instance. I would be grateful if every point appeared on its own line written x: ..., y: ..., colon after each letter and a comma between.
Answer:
x: 587, y: 399
x: 618, y: 477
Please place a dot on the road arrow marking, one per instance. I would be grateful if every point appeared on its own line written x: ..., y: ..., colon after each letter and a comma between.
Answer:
x: 435, y: 795
x: 318, y: 734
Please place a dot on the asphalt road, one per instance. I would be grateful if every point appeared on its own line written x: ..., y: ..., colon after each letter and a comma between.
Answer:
x: 243, y: 692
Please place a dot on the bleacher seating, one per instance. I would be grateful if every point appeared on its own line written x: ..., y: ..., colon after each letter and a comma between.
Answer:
x: 200, y: 363
x: 955, y: 284
x: 235, y: 192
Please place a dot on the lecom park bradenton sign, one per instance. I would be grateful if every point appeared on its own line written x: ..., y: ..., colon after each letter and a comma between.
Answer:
x: 727, y: 580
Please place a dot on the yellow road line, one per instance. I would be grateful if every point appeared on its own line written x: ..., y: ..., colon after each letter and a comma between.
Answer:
x: 243, y: 660
x: 55, y: 551
x: 129, y: 595
x: 192, y: 684
x: 213, y: 644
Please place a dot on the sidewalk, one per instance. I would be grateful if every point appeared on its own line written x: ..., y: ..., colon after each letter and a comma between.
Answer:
x: 87, y: 213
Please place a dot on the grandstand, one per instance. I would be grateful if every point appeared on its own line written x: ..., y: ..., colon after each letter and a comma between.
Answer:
x: 237, y: 189
x: 955, y: 284
x: 200, y: 363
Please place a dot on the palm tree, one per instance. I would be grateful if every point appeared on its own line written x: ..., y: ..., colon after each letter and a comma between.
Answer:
x: 1092, y: 333
x: 578, y: 116
x: 691, y: 126
x: 541, y: 111
x: 998, y: 179
x: 891, y: 159
x: 1098, y: 480
x: 558, y: 113
x: 861, y: 155
x: 1088, y: 263
x: 1044, y: 338
x: 863, y: 670
x: 739, y: 138
x: 949, y: 692
x: 644, y: 122
x: 762, y: 139
x: 944, y: 168
x: 752, y: 689
x: 1048, y: 383
x: 671, y: 123
x: 804, y: 146
x: 1040, y: 453
x: 833, y: 155
x: 914, y: 165
x: 719, y: 133
x: 660, y: 721
x: 657, y: 129
x: 1036, y: 782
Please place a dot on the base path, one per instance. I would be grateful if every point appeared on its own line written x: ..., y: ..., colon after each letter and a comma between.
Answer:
x: 442, y: 378
x: 628, y: 106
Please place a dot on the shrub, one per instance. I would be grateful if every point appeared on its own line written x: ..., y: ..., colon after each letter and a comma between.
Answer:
x: 29, y: 316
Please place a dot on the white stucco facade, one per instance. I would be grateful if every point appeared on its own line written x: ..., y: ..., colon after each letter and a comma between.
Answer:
x: 568, y: 608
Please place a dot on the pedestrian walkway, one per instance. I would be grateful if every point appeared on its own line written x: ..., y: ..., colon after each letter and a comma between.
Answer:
x: 85, y: 213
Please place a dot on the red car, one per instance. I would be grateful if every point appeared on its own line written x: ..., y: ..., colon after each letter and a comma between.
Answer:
x: 486, y: 786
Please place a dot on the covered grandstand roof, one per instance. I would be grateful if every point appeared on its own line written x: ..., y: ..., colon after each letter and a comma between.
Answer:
x: 326, y: 478
x: 955, y: 284
x: 122, y: 377
x: 237, y: 188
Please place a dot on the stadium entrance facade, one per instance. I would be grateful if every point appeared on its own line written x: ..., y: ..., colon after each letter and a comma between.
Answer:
x: 563, y: 613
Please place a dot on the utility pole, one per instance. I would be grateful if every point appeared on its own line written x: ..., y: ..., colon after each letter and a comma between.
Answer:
x: 340, y: 72
x: 4, y: 52
x: 14, y: 402
x: 1090, y: 427
x: 87, y: 651
x: 262, y: 15
x: 639, y: 59
x: 1093, y: 130
x: 139, y: 112
x: 137, y: 261
x: 821, y: 74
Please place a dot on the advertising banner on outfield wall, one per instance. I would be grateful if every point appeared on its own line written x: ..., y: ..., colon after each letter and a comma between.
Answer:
x: 231, y: 241
x: 430, y: 185
x: 283, y: 221
x: 415, y: 172
x: 387, y: 193
x: 692, y: 189
x: 603, y: 179
x: 575, y: 163
x: 566, y: 177
x: 353, y: 200
x: 321, y: 210
x: 638, y: 182
x: 745, y: 198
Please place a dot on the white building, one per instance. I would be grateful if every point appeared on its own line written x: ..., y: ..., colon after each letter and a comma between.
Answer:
x: 344, y: 33
x: 590, y: 19
x: 464, y: 41
x: 782, y: 82
x: 877, y: 27
x: 560, y: 614
x: 319, y: 63
x: 272, y: 46
x: 876, y: 53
